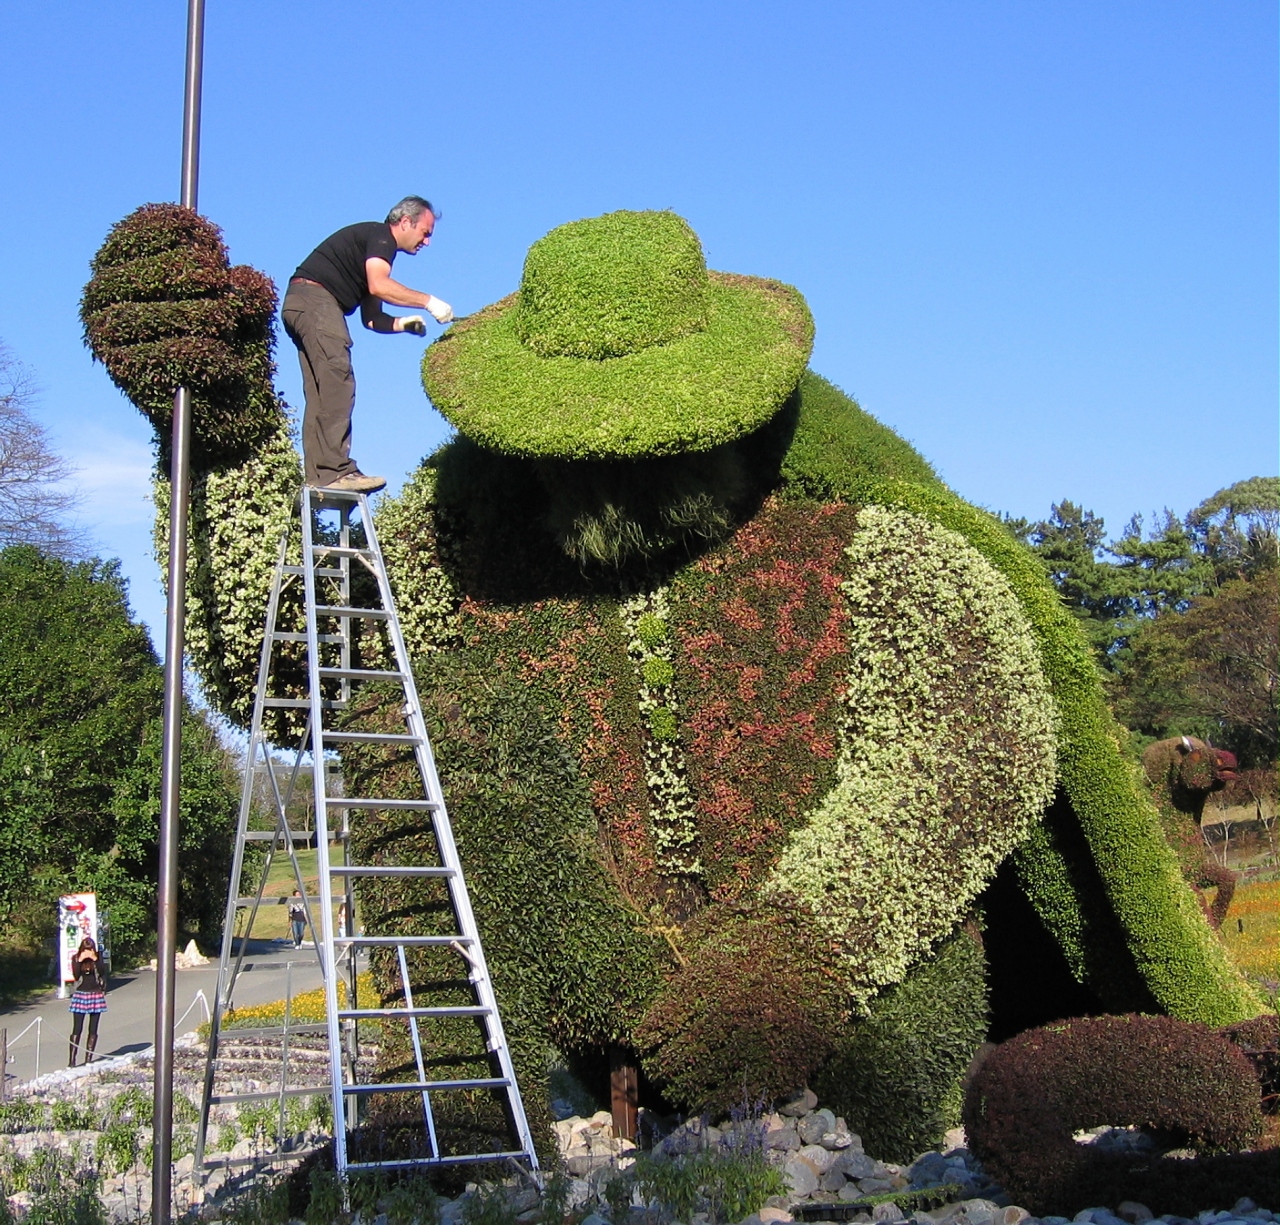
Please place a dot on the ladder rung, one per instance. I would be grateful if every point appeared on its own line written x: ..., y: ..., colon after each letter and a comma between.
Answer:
x: 360, y: 674
x: 417, y: 1086
x: 278, y: 1157
x: 356, y: 870
x: 407, y: 941
x: 222, y: 1099
x: 319, y: 571
x: 371, y: 738
x: 469, y: 1010
x: 409, y: 805
x: 229, y: 1033
x: 262, y: 835
x: 340, y: 610
x: 342, y: 551
x: 297, y: 636
x: 409, y: 1163
x: 302, y: 704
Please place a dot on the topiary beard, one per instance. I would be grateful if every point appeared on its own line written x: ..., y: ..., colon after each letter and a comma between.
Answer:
x: 625, y: 514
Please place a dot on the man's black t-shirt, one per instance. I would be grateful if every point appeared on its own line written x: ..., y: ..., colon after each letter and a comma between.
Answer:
x: 338, y: 262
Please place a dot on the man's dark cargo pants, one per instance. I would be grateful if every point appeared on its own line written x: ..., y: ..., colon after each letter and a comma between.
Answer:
x: 315, y: 323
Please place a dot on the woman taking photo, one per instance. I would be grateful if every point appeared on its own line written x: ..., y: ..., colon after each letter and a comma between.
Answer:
x: 89, y: 998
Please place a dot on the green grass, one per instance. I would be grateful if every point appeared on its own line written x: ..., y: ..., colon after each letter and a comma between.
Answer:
x: 272, y: 920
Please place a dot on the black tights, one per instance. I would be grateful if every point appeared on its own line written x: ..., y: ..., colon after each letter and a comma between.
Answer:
x: 77, y: 1024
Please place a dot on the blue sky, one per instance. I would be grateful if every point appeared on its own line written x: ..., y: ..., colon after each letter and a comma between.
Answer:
x: 1038, y: 237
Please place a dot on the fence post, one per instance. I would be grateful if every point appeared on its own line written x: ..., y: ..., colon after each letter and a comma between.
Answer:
x: 4, y: 1062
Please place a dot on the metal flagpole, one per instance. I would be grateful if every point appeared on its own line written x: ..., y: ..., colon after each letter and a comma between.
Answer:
x: 170, y: 769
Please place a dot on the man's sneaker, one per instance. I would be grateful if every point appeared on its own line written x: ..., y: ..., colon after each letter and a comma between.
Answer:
x: 356, y: 482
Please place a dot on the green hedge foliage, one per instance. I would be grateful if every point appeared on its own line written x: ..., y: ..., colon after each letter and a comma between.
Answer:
x: 621, y: 345
x: 165, y: 309
x: 571, y: 964
x: 749, y: 1014
x: 896, y: 1075
x: 1033, y: 1093
x: 612, y: 285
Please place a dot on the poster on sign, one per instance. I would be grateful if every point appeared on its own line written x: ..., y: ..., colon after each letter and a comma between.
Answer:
x: 77, y: 918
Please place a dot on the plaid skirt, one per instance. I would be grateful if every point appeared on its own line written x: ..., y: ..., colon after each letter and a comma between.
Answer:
x: 88, y: 1001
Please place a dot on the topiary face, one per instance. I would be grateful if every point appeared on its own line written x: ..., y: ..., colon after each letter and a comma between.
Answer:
x: 613, y: 285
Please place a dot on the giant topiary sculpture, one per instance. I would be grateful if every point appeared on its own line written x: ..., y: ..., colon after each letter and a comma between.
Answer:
x: 738, y: 706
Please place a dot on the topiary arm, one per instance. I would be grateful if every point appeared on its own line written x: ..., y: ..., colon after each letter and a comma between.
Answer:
x: 165, y: 308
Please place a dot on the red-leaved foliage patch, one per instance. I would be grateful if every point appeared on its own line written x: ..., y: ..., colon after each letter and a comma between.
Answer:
x: 1034, y: 1092
x: 761, y: 649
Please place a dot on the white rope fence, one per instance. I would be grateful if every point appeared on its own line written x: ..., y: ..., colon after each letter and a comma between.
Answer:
x: 7, y: 1044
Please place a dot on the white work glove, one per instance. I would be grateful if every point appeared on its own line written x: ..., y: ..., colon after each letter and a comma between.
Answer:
x: 441, y: 311
x: 412, y: 323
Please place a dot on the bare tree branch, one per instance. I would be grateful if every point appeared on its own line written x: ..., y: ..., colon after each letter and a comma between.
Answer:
x: 35, y: 502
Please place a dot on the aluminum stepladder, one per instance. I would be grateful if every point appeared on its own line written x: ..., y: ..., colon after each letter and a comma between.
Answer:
x: 330, y: 558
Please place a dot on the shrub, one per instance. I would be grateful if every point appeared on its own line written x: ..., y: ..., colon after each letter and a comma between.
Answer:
x: 748, y: 1017
x: 725, y: 1184
x: 165, y: 309
x: 896, y: 1075
x: 1259, y: 1039
x: 1035, y: 1091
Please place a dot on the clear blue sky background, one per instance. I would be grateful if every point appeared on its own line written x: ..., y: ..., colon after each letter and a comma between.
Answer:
x: 1039, y: 238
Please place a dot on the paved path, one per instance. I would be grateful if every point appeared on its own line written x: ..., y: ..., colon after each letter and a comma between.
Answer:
x: 129, y: 1022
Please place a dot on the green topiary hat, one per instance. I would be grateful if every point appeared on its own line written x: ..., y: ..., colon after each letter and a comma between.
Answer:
x: 621, y: 344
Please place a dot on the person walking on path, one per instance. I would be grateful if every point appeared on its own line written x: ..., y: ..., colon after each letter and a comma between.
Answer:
x: 351, y: 269
x: 297, y: 918
x: 89, y: 999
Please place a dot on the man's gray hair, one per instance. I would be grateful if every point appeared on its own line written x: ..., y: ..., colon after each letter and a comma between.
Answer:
x: 412, y: 207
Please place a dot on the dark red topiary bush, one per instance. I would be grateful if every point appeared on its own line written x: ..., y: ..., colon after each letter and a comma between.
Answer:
x: 1259, y: 1039
x: 165, y: 309
x: 1035, y: 1091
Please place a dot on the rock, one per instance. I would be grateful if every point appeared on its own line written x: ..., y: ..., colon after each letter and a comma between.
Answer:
x: 801, y: 1175
x: 836, y: 1140
x: 875, y: 1186
x: 928, y: 1169
x: 979, y: 1211
x: 849, y: 1192
x: 1242, y: 1206
x: 820, y: 1158
x: 753, y: 1219
x: 831, y: 1182
x: 1012, y: 1215
x: 785, y: 1138
x: 803, y: 1102
x: 595, y: 1219
x: 523, y: 1198
x: 887, y: 1213
x: 854, y: 1164
x: 1131, y: 1210
x: 815, y: 1125
x: 771, y: 1214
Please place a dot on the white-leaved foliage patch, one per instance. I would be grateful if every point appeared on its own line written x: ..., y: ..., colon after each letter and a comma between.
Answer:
x: 672, y: 819
x: 946, y: 757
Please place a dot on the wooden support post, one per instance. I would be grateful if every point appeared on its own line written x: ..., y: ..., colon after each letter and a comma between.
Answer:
x: 4, y: 1062
x: 624, y: 1085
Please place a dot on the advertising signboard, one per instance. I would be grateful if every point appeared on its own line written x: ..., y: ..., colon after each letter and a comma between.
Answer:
x: 77, y: 918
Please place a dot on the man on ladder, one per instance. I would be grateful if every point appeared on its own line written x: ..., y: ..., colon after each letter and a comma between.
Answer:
x: 350, y: 269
